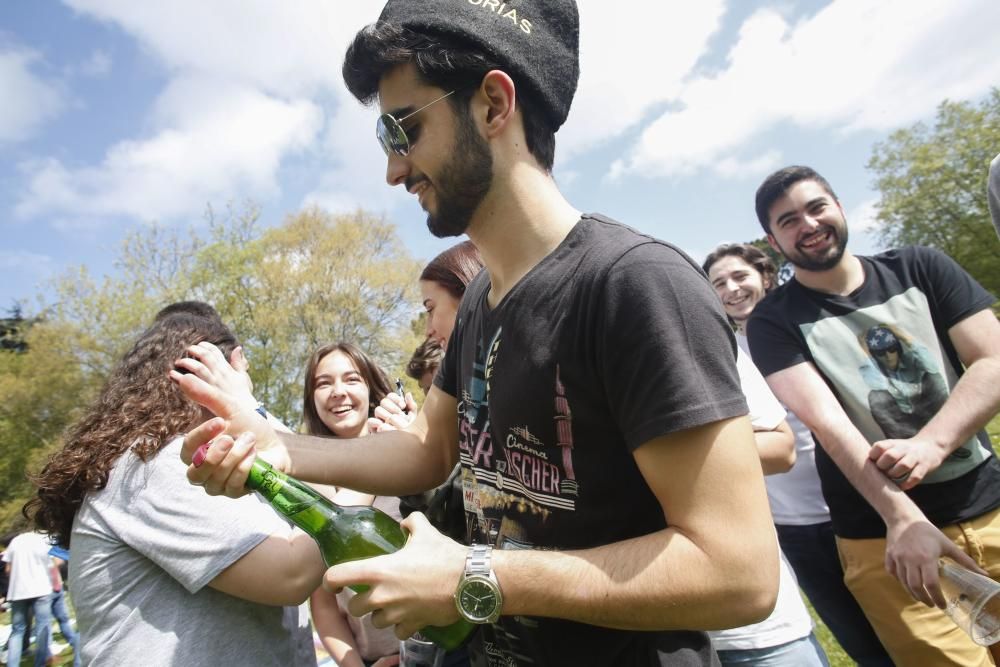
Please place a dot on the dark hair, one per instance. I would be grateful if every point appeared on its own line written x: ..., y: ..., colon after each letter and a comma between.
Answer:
x: 139, y: 408
x: 777, y: 184
x: 197, y: 308
x: 454, y: 268
x: 426, y: 359
x: 753, y: 256
x: 444, y: 62
x: 374, y: 377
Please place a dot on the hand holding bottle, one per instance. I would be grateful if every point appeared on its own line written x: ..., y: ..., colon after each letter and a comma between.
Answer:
x: 411, y: 588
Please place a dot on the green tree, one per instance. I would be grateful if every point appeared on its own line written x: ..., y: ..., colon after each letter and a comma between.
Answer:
x: 932, y: 182
x: 285, y: 289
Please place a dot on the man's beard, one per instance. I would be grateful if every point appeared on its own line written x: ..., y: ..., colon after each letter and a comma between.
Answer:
x: 463, y: 182
x: 802, y: 261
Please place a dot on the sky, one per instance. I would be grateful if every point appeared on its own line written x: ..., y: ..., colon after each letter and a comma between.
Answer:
x: 116, y: 114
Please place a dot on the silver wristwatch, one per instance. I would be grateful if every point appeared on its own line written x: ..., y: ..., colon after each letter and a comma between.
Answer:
x: 478, y: 596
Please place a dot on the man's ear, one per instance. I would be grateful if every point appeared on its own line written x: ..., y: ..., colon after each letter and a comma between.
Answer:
x: 774, y: 245
x: 497, y: 93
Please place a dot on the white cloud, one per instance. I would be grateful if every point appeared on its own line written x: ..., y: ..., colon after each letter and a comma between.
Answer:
x: 246, y: 80
x: 28, y: 101
x: 24, y: 261
x: 213, y: 139
x: 355, y: 176
x: 97, y: 65
x: 862, y: 217
x: 855, y: 65
x: 632, y: 56
x: 285, y: 49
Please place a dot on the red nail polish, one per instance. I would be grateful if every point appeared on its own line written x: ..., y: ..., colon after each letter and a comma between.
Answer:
x: 200, y: 453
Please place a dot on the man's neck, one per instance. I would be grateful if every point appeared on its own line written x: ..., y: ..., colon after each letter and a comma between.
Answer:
x: 521, y: 221
x: 847, y: 276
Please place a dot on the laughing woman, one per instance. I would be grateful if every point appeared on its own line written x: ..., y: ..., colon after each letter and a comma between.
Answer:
x: 342, y: 387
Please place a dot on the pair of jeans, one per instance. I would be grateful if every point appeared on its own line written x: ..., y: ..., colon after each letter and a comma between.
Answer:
x: 811, y: 550
x: 803, y: 652
x: 61, y: 614
x: 19, y: 610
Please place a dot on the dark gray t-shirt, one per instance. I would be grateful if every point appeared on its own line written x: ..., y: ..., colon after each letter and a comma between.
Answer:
x: 612, y: 340
x: 144, y: 549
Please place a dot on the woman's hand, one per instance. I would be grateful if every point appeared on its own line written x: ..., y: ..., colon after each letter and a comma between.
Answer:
x: 393, y: 413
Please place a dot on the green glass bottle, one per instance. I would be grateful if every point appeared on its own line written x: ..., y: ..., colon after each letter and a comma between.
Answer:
x: 342, y: 533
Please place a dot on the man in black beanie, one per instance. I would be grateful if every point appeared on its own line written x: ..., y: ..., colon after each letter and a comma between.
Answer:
x: 615, y: 506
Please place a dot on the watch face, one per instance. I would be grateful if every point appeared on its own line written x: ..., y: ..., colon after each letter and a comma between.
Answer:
x: 478, y: 599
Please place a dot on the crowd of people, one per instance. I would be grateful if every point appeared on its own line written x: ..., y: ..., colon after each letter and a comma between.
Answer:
x: 634, y: 459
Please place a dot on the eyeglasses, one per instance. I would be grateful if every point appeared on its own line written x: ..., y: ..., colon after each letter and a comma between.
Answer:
x: 391, y: 134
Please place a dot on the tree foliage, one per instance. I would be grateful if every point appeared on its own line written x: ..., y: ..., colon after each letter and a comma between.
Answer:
x: 932, y: 181
x: 284, y: 289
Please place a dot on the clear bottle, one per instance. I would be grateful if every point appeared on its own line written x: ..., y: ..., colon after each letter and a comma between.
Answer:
x: 342, y: 533
x: 973, y: 601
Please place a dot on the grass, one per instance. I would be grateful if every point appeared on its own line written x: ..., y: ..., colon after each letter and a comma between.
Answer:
x: 834, y: 653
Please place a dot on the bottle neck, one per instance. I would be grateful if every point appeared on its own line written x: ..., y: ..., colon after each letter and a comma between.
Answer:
x: 299, y: 503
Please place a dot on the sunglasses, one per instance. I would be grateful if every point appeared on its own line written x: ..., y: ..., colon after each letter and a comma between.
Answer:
x: 391, y: 134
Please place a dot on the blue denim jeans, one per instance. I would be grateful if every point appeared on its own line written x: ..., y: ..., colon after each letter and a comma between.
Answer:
x: 812, y: 552
x: 61, y: 614
x: 19, y: 610
x: 804, y: 652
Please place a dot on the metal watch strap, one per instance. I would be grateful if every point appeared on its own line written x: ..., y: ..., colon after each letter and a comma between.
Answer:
x: 479, y: 560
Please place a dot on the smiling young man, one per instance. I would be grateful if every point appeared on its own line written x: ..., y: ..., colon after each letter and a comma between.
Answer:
x: 897, y: 504
x: 615, y: 505
x: 742, y: 276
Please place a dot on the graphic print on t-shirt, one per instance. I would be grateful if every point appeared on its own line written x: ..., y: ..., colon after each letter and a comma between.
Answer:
x: 890, y: 372
x: 519, y: 477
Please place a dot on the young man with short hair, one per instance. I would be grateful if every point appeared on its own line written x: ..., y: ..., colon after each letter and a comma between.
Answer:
x: 614, y: 500
x: 742, y: 276
x: 897, y: 503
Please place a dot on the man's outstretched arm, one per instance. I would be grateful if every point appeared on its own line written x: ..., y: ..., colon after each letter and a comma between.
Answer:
x: 715, y: 566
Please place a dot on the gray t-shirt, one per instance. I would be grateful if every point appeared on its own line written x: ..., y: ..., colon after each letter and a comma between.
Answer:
x: 144, y: 549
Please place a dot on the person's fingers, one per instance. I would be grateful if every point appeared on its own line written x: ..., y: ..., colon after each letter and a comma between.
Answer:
x: 385, y: 415
x: 200, y: 435
x: 915, y: 476
x: 954, y: 552
x: 222, y: 461
x: 400, y: 421
x: 380, y: 619
x: 238, y: 360
x: 932, y: 584
x: 889, y: 458
x: 877, y: 450
x: 236, y: 483
x: 411, y: 404
x: 210, y: 457
x: 352, y: 573
x: 405, y: 630
x: 374, y: 425
x: 914, y: 583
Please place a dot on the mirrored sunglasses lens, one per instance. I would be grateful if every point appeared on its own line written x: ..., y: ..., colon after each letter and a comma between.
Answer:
x: 391, y: 135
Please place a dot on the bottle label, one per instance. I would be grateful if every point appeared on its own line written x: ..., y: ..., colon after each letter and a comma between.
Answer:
x: 270, y: 482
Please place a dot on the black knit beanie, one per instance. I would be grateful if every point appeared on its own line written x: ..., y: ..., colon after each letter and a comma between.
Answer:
x: 537, y: 41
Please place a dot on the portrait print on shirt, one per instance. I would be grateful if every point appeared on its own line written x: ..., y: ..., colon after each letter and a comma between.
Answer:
x: 891, y: 372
